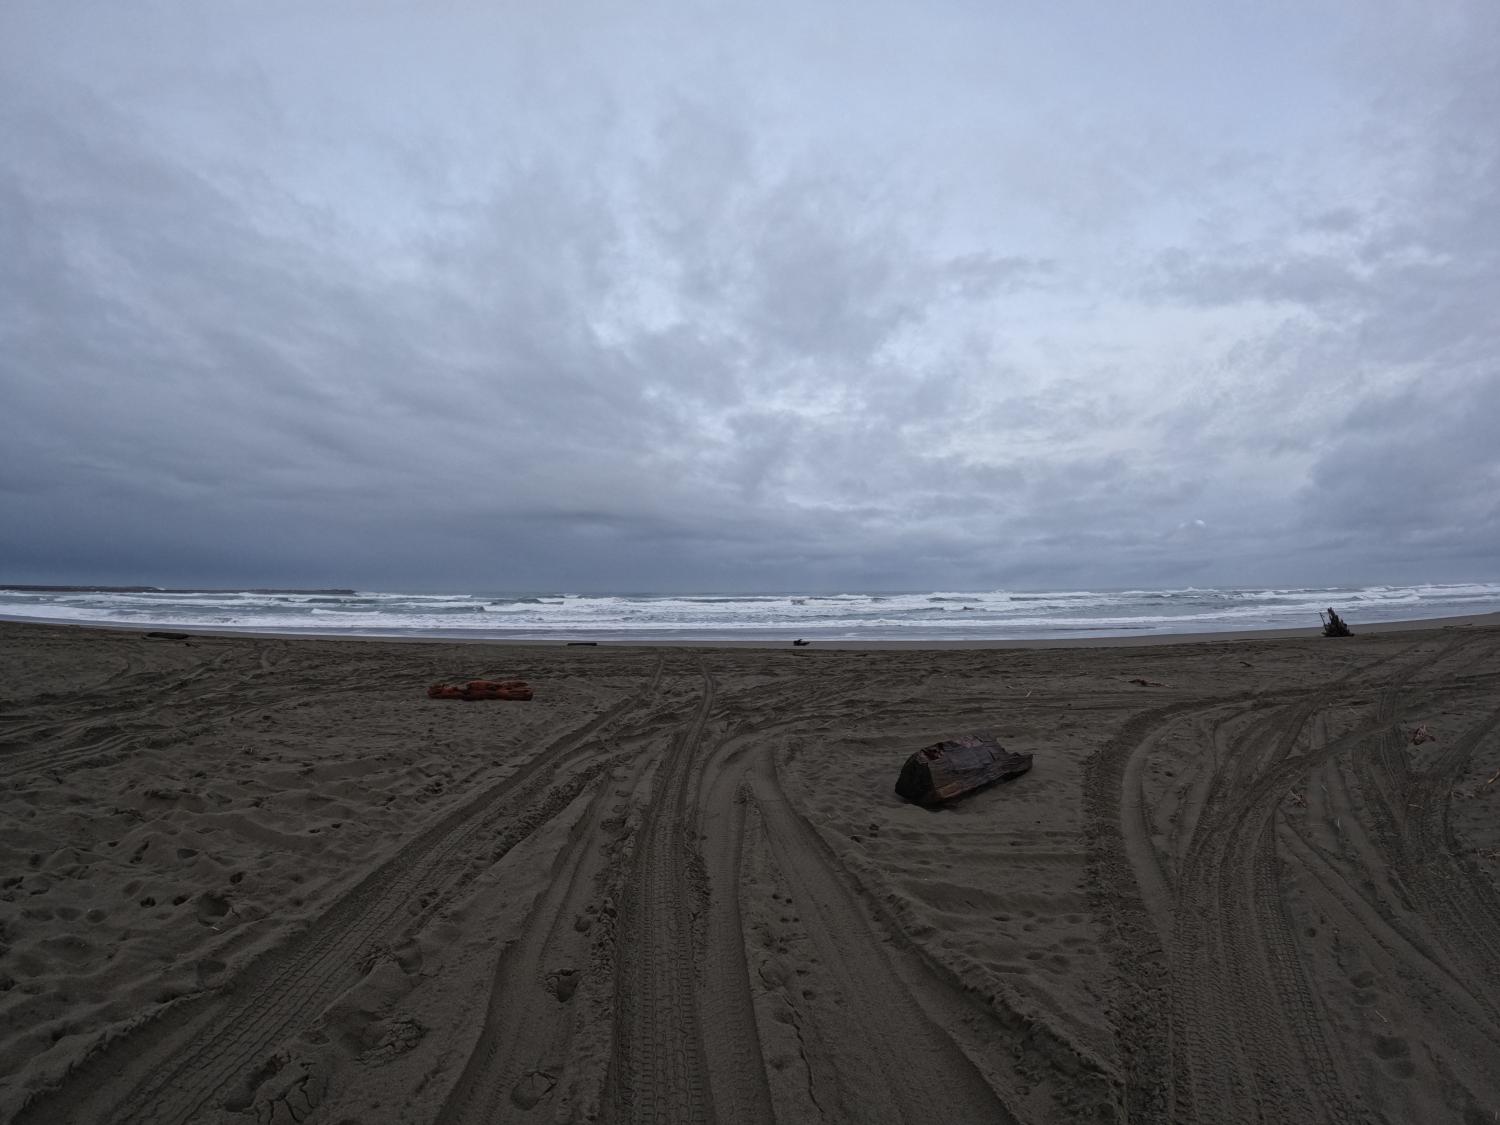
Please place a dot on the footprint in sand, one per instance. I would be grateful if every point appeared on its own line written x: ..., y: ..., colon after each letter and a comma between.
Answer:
x: 562, y: 983
x: 532, y: 1088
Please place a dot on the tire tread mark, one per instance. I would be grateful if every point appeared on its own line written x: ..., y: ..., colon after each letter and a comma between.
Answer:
x: 657, y: 1069
x: 272, y: 992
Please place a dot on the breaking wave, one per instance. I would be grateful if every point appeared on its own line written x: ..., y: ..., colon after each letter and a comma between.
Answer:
x: 937, y: 615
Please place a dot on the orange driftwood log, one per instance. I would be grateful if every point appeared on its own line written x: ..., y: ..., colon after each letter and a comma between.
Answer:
x: 482, y: 689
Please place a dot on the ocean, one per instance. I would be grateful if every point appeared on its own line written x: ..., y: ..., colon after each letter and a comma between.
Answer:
x: 930, y: 616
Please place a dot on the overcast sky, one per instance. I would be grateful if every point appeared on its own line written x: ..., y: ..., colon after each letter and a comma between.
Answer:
x: 728, y: 296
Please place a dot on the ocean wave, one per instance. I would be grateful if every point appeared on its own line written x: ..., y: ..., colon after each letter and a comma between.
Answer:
x: 919, y: 614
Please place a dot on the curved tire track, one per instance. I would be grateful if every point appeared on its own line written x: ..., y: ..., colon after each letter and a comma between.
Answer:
x: 1220, y: 917
x: 198, y: 1050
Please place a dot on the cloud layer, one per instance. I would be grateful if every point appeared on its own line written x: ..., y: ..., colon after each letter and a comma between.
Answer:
x: 700, y: 299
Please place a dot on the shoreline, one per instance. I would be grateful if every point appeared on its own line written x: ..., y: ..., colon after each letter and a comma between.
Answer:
x: 1152, y: 640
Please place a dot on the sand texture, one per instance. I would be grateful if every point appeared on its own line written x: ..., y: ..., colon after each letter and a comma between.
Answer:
x: 264, y: 880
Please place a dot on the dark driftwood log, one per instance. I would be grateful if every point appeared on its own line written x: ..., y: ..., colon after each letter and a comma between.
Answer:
x: 946, y: 770
x: 1333, y: 625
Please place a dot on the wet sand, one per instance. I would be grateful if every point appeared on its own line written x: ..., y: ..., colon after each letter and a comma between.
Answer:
x: 259, y: 879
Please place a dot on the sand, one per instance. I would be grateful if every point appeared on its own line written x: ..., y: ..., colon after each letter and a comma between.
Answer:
x: 268, y: 880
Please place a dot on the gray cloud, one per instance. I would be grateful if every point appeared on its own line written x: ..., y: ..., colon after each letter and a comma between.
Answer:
x: 701, y: 300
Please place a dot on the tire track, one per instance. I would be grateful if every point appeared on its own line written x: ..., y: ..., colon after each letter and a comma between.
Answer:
x: 520, y: 1055
x: 657, y: 1070
x: 734, y: 1053
x: 199, y: 1049
x: 936, y: 1019
x: 1420, y: 967
x: 92, y: 724
x: 1411, y: 837
x: 1232, y: 926
x: 879, y: 985
x: 1433, y: 864
x: 328, y: 964
x: 518, y: 1058
x: 1137, y: 922
x: 1219, y: 913
x: 1222, y: 961
x: 957, y: 1007
x: 103, y: 732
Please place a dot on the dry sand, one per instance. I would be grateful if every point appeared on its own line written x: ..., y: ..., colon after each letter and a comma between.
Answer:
x: 254, y: 879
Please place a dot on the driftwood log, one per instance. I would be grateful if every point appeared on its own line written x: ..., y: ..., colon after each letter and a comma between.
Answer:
x: 482, y: 689
x: 947, y: 770
x: 1333, y: 625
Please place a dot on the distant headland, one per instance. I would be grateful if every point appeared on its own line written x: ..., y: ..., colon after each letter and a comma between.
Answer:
x: 25, y: 589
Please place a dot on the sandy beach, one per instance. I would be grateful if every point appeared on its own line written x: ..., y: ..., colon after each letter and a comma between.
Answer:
x: 258, y: 879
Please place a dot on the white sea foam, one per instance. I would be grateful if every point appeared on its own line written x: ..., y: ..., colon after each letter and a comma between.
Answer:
x: 911, y: 615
